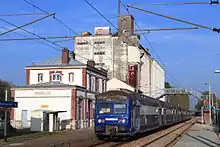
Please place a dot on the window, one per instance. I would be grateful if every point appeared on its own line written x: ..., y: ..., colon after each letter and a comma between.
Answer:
x: 119, y: 108
x: 103, y: 86
x: 100, y: 86
x: 100, y: 64
x: 99, y: 42
x: 93, y: 84
x: 40, y: 77
x: 71, y: 77
x: 82, y: 43
x: 99, y: 53
x: 104, y: 108
x: 88, y: 82
x: 56, y: 77
x: 97, y: 84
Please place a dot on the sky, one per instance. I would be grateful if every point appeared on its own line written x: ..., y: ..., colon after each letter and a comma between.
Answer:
x: 190, y: 57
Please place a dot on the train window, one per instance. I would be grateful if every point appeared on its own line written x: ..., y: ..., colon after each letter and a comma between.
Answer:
x: 119, y: 108
x: 104, y: 108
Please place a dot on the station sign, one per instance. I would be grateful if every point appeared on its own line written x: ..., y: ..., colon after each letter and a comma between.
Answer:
x: 8, y: 104
x: 207, y: 107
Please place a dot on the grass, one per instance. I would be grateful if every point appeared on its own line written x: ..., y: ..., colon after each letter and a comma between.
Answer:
x: 25, y: 135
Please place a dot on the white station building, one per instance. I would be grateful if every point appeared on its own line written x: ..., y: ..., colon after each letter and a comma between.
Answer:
x: 60, y: 91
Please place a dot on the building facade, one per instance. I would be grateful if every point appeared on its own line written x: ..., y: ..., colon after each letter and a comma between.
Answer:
x: 123, y: 56
x: 60, y: 84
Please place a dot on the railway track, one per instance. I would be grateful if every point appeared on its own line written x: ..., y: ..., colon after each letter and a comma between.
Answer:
x: 163, y: 138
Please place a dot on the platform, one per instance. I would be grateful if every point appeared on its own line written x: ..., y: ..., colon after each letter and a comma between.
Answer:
x: 199, y: 135
x: 75, y: 135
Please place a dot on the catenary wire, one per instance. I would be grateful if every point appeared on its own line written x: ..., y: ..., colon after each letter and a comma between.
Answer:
x: 150, y: 44
x: 68, y: 28
x: 75, y: 31
x: 181, y: 3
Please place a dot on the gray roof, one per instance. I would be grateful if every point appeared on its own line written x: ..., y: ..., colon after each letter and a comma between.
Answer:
x: 58, y: 62
x: 46, y: 84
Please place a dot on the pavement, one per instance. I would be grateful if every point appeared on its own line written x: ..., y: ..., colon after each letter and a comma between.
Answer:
x: 62, y: 137
x: 199, y: 135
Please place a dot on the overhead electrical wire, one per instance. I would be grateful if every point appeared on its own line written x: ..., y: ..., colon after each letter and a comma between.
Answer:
x: 114, y: 27
x: 34, y: 40
x: 77, y: 33
x: 18, y: 27
x: 27, y: 38
x: 56, y: 48
x: 181, y: 3
x: 151, y: 45
x: 31, y: 33
x: 166, y: 29
x: 66, y: 27
x: 22, y: 14
x: 176, y: 19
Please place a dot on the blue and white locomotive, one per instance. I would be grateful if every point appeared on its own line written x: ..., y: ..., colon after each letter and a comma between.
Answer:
x: 123, y: 112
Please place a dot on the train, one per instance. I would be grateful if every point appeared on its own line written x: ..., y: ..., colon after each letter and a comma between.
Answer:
x: 122, y: 112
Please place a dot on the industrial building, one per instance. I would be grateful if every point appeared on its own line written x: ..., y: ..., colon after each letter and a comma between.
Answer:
x: 58, y: 85
x: 122, y: 55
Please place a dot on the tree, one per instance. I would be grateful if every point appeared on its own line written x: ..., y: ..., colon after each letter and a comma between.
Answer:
x: 181, y: 100
x: 199, y: 105
x: 168, y: 85
x: 3, y: 86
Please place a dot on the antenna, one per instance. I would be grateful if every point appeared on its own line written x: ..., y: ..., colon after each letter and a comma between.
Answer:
x: 119, y: 7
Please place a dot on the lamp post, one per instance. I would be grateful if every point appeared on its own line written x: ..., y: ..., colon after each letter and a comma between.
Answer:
x: 210, y: 106
x: 217, y: 71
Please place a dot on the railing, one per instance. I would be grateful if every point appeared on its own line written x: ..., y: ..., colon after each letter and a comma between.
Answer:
x: 180, y: 91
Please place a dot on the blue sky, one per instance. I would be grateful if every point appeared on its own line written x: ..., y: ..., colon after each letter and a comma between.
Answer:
x: 191, y: 56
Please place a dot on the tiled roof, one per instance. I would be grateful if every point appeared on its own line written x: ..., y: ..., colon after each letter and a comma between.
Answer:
x: 46, y: 84
x: 57, y: 62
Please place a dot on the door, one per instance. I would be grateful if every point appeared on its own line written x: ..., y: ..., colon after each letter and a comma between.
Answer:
x: 160, y: 118
x: 24, y: 119
x: 46, y: 122
x: 136, y: 117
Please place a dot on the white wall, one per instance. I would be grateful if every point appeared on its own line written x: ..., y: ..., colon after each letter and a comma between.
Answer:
x: 57, y: 100
x: 87, y: 51
x: 133, y: 54
x: 65, y: 76
x: 158, y: 79
x: 145, y: 75
x: 114, y: 84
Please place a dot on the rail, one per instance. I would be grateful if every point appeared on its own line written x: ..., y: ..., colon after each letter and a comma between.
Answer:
x: 162, y: 138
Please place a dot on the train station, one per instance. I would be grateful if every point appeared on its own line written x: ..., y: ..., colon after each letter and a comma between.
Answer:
x: 107, y: 85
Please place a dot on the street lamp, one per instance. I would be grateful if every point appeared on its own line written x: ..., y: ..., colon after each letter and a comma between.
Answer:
x: 217, y: 71
x: 210, y: 107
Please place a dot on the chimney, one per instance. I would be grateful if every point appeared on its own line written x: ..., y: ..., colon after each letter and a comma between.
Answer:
x: 91, y: 63
x: 73, y: 55
x: 65, y: 56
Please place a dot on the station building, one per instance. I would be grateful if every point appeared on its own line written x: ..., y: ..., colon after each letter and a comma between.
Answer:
x: 59, y: 85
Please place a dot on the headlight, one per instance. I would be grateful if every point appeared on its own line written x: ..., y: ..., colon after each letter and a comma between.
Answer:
x: 99, y: 120
x: 121, y: 120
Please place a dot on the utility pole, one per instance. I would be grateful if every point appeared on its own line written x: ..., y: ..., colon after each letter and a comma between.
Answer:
x: 5, y: 126
x: 210, y: 106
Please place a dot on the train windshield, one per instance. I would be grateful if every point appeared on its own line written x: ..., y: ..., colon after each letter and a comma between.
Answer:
x: 105, y: 108
x: 119, y: 108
